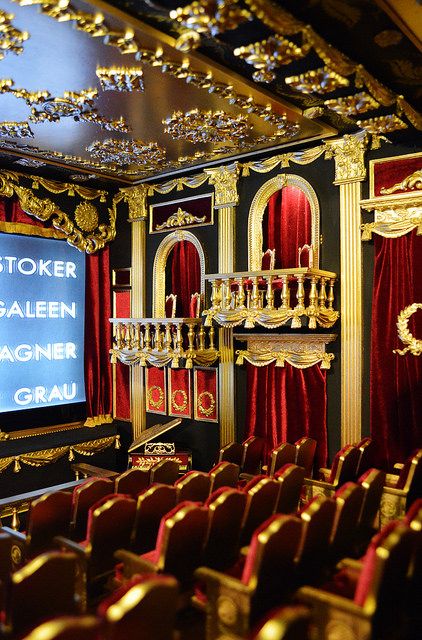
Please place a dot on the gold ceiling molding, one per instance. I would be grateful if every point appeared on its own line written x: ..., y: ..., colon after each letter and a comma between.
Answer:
x: 120, y: 78
x: 47, y: 211
x: 270, y: 54
x: 395, y: 215
x: 323, y: 80
x: 11, y: 38
x: 147, y: 155
x: 30, y: 162
x: 49, y: 456
x: 206, y: 126
x: 352, y: 105
x: 414, y: 181
x: 299, y: 350
x: 16, y: 130
x: 412, y: 344
x: 211, y: 17
x: 179, y: 219
x: 382, y: 124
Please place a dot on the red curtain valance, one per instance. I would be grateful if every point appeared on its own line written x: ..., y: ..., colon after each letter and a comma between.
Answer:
x: 98, y: 380
x: 286, y: 403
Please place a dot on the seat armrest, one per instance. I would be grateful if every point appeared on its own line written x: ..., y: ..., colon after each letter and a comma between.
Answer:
x: 350, y: 563
x: 323, y: 600
x: 246, y: 476
x: 324, y: 473
x: 392, y: 491
x: 319, y: 484
x: 215, y: 578
x: 391, y: 479
x: 71, y: 545
x: 133, y: 564
x: 18, y: 536
x: 399, y: 466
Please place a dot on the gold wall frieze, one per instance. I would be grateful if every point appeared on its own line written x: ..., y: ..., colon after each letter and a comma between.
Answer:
x: 179, y: 219
x: 257, y: 210
x: 270, y: 54
x: 348, y: 153
x: 300, y: 351
x: 413, y: 345
x: 382, y: 124
x: 320, y: 81
x: 299, y: 157
x: 46, y: 210
x: 16, y: 130
x: 352, y: 105
x: 412, y: 182
x: 192, y: 182
x: 211, y: 17
x: 121, y: 78
x: 393, y: 220
x: 11, y: 38
x: 65, y: 187
x: 146, y: 155
x: 206, y: 126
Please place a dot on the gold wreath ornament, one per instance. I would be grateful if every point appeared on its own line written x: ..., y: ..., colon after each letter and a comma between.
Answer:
x: 203, y: 409
x: 155, y: 403
x: 182, y: 406
x: 413, y: 345
x: 86, y: 216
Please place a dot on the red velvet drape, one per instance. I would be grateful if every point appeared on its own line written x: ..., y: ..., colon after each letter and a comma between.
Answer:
x: 396, y: 381
x: 98, y: 381
x: 288, y: 227
x: 286, y: 403
x: 185, y: 275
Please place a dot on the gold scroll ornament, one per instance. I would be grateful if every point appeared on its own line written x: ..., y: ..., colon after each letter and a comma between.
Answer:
x: 413, y: 344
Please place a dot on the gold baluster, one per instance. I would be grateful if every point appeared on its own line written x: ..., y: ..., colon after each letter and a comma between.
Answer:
x: 300, y: 307
x: 201, y: 336
x: 137, y: 336
x: 322, y: 294
x: 179, y: 337
x: 158, y: 337
x: 147, y: 337
x: 228, y: 296
x: 211, y: 336
x: 15, y: 519
x: 241, y: 294
x: 313, y: 298
x: 255, y: 293
x: 167, y: 337
x: 285, y: 293
x: 270, y: 292
x: 191, y: 345
x: 118, y: 337
x: 330, y: 298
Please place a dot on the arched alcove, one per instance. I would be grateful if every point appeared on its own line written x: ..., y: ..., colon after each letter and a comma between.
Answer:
x: 159, y: 268
x: 257, y: 211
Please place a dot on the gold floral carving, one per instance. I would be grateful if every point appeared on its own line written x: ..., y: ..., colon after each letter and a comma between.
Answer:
x: 47, y: 210
x: 120, y: 78
x: 155, y: 403
x: 147, y: 155
x: 86, y: 216
x: 11, y: 39
x: 412, y: 182
x: 414, y: 345
x: 267, y: 55
x: 352, y: 105
x: 136, y: 198
x: 206, y: 126
x: 183, y: 404
x: 206, y: 411
x: 349, y: 156
x: 225, y: 180
x: 210, y: 17
x: 382, y: 124
x: 179, y: 219
x: 395, y: 215
x: 16, y: 129
x: 299, y: 351
x: 322, y: 80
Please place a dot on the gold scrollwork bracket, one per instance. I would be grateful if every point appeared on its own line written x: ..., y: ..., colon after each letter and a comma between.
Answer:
x: 413, y: 344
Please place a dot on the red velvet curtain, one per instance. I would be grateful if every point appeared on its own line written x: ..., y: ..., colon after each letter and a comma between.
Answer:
x: 185, y: 275
x: 396, y: 381
x: 98, y: 381
x: 286, y: 403
x: 288, y: 225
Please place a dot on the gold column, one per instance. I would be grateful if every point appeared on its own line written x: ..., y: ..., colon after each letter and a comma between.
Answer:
x: 136, y: 199
x: 224, y: 180
x: 350, y: 172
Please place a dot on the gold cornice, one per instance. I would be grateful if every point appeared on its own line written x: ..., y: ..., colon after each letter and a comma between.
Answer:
x: 225, y: 180
x: 257, y: 210
x: 395, y: 215
x: 299, y: 350
x: 47, y: 211
x: 349, y: 156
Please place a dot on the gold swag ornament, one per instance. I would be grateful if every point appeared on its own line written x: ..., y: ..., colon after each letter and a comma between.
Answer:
x: 155, y: 403
x: 201, y: 407
x: 182, y: 406
x: 413, y: 345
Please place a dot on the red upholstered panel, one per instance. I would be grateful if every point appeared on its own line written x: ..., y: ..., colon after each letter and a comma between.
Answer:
x: 253, y: 548
x: 389, y: 173
x: 216, y: 494
x: 119, y: 593
x: 336, y: 462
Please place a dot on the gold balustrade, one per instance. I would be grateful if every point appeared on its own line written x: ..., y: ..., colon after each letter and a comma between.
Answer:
x: 272, y: 298
x: 162, y: 341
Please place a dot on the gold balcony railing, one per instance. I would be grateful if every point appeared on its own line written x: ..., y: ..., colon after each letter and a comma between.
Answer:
x: 272, y: 298
x: 163, y: 341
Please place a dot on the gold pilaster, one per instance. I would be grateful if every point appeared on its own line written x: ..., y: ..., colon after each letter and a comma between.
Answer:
x: 350, y: 172
x: 136, y: 199
x: 225, y: 180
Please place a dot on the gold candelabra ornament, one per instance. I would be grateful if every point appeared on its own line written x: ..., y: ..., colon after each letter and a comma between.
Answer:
x: 206, y: 126
x: 413, y: 344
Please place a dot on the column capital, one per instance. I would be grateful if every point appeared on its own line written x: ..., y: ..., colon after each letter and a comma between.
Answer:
x: 349, y: 156
x: 136, y: 197
x: 224, y: 180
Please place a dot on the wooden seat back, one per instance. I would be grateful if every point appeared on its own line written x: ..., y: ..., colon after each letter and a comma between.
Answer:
x: 132, y: 482
x: 67, y: 628
x: 367, y: 450
x: 262, y: 500
x: 42, y: 589
x: 164, y: 472
x: 194, y: 486
x: 144, y: 608
x: 290, y: 477
x: 224, y: 474
x: 253, y: 451
x: 349, y: 500
x: 84, y: 496
x: 286, y: 623
x: 152, y: 505
x: 373, y: 482
x: 232, y: 452
x: 285, y: 453
x: 49, y: 516
x: 410, y: 478
x: 317, y: 518
x: 226, y: 509
x: 344, y: 466
x: 305, y: 454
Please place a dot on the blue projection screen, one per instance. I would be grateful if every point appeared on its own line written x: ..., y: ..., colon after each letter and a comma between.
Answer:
x: 42, y: 311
